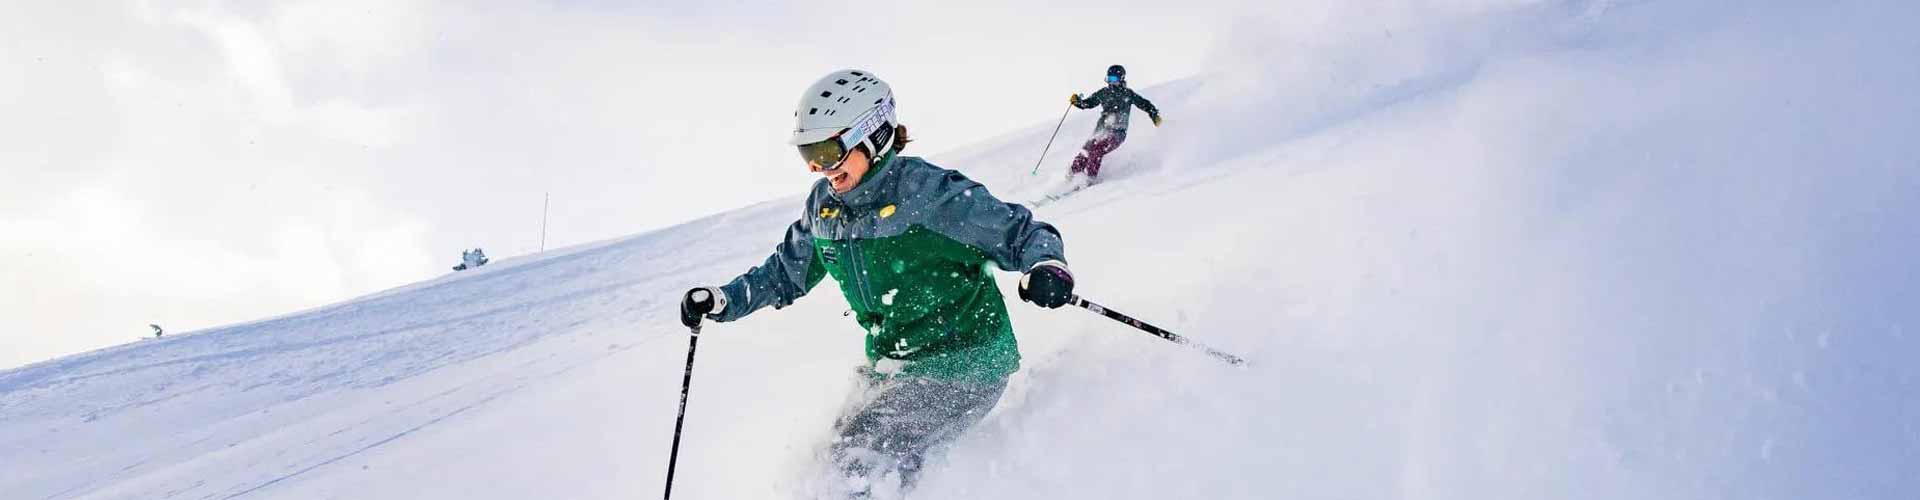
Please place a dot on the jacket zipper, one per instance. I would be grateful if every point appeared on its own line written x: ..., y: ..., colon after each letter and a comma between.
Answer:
x: 859, y: 272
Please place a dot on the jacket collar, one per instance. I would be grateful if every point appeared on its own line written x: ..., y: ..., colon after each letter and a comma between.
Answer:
x: 872, y: 190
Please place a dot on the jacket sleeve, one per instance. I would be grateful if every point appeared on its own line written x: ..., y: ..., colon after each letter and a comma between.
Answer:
x: 786, y: 276
x: 1143, y: 103
x: 1092, y: 100
x: 963, y: 210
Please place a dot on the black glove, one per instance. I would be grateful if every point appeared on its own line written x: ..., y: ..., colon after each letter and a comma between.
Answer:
x: 697, y: 304
x: 1047, y: 285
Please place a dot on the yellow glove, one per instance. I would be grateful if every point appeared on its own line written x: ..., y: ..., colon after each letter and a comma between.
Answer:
x: 1075, y: 100
x: 1156, y: 121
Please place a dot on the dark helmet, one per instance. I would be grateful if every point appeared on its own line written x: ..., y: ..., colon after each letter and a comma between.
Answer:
x: 1117, y: 70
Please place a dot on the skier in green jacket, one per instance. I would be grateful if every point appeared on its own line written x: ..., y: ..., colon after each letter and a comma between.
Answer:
x: 908, y: 242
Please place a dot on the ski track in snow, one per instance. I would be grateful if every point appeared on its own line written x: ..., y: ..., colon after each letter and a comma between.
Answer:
x: 1527, y: 250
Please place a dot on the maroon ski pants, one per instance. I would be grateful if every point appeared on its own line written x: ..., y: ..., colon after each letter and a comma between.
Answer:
x: 1096, y: 149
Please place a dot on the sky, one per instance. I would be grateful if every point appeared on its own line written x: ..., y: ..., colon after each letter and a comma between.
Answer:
x: 195, y: 164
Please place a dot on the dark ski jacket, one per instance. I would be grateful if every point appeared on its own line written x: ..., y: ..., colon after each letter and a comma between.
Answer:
x: 1116, y: 104
x: 910, y: 248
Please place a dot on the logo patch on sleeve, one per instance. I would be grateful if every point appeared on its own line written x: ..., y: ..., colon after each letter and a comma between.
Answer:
x: 886, y: 211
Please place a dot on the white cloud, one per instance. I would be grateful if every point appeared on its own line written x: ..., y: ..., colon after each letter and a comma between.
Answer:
x: 252, y: 60
x: 354, y: 37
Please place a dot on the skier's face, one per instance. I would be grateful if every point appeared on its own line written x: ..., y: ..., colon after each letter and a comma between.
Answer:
x: 848, y: 175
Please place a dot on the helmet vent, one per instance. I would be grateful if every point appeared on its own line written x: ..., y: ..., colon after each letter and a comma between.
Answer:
x: 835, y: 101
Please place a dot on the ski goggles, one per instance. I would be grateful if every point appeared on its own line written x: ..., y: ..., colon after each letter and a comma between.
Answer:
x: 1111, y: 79
x: 872, y: 128
x: 828, y: 154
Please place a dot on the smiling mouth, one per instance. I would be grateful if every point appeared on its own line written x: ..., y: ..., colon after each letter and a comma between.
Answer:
x: 837, y: 178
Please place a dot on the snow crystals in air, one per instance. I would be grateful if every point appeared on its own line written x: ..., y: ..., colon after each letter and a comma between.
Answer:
x: 451, y: 358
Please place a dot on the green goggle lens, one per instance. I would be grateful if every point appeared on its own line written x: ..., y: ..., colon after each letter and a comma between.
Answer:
x: 827, y: 154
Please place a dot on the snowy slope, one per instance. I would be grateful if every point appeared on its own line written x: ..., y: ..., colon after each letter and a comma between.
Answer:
x: 1503, y: 250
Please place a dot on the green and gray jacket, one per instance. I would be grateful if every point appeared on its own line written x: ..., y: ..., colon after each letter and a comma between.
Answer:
x: 909, y: 247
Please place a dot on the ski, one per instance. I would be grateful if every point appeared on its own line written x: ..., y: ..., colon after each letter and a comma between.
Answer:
x: 1074, y: 187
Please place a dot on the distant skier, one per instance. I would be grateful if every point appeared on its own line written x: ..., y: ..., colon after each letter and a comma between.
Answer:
x: 1116, y: 103
x: 157, y: 332
x: 907, y: 242
x: 471, y: 259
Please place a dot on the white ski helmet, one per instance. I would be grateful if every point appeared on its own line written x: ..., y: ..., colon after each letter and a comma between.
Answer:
x: 850, y: 104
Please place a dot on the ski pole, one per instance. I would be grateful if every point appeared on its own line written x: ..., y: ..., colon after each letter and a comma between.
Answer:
x: 1156, y: 331
x: 1056, y: 133
x: 686, y: 381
